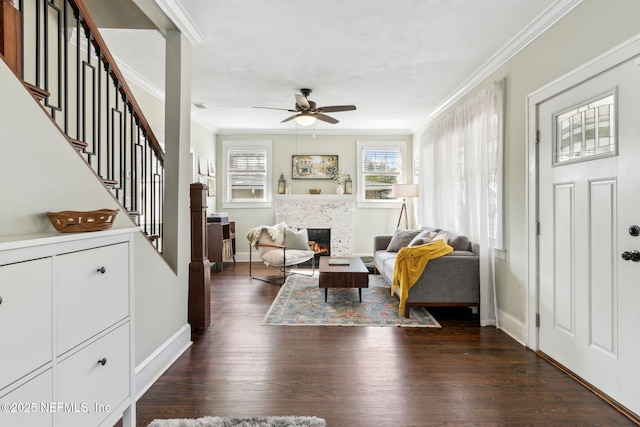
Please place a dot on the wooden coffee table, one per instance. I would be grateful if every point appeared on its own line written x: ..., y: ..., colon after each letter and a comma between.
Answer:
x: 353, y: 275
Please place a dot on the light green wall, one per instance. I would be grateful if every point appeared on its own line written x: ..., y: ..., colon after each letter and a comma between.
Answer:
x: 591, y: 29
x: 368, y: 222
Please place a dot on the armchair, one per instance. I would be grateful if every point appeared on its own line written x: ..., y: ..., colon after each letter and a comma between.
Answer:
x: 280, y: 247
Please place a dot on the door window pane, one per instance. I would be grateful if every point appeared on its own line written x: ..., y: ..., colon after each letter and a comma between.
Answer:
x: 586, y: 130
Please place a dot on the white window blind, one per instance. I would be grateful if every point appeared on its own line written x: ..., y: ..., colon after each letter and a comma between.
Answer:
x: 381, y: 169
x: 247, y: 171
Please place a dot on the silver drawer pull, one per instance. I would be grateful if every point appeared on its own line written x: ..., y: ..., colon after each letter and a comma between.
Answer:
x: 103, y: 361
x: 102, y: 270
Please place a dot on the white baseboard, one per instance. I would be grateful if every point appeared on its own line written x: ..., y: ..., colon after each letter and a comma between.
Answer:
x: 160, y: 360
x: 513, y: 327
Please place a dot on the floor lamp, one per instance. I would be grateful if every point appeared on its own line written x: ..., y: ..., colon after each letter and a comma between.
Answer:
x: 404, y: 191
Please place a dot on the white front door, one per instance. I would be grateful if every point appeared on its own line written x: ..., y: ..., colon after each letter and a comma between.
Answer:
x: 589, y: 197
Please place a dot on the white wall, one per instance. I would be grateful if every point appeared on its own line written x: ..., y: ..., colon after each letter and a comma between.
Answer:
x: 368, y: 222
x: 592, y: 28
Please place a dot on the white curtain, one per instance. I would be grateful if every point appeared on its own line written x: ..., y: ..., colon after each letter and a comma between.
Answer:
x: 461, y: 181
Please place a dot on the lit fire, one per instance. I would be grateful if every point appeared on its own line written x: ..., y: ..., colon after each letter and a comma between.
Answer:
x: 317, y: 249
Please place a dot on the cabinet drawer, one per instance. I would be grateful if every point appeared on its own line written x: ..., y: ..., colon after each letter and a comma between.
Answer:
x: 28, y: 404
x: 92, y: 292
x: 25, y: 318
x: 84, y: 381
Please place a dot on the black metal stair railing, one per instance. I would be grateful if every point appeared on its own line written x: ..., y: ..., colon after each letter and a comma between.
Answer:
x: 67, y: 63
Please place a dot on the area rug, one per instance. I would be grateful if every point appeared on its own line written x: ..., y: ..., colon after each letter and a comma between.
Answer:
x: 287, y: 421
x: 300, y: 302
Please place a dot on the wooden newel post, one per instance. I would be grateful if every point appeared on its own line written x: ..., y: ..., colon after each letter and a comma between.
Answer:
x: 199, y: 267
x: 11, y: 36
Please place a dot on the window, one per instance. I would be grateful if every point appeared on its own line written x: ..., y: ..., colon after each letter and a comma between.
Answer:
x: 586, y: 131
x: 247, y: 173
x: 380, y: 166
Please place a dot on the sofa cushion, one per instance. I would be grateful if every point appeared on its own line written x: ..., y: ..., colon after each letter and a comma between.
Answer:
x: 381, y: 256
x: 423, y: 237
x: 401, y: 238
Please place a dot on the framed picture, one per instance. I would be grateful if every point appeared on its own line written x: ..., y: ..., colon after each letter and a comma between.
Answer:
x: 313, y: 167
x: 212, y: 168
x: 211, y: 184
x: 203, y: 168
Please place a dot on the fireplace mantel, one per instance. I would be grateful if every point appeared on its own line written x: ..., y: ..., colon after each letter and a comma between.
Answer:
x: 316, y: 197
x: 332, y: 211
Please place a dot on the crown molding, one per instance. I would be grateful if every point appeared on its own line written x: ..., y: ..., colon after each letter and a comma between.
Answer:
x: 179, y: 16
x: 330, y: 132
x: 132, y: 76
x: 139, y: 80
x: 542, y: 23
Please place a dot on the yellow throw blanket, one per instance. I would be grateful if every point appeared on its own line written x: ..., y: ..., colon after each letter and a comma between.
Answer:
x: 410, y: 262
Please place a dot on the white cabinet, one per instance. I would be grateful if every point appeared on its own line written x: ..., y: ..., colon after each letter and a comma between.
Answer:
x: 97, y: 376
x: 91, y: 285
x: 26, y: 314
x: 28, y: 405
x: 67, y: 330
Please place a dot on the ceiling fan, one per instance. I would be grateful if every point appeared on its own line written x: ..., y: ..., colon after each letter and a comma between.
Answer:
x: 307, y: 112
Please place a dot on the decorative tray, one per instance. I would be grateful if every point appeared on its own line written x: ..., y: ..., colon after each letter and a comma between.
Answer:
x: 79, y: 221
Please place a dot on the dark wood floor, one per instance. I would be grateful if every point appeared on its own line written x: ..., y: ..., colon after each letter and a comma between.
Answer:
x: 459, y: 375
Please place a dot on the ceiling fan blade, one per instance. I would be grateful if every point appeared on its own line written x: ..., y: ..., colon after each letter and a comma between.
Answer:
x: 272, y: 108
x: 302, y: 101
x: 326, y: 118
x: 336, y: 108
x: 290, y: 118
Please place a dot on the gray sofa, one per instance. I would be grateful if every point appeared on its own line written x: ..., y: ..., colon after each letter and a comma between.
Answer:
x: 451, y: 280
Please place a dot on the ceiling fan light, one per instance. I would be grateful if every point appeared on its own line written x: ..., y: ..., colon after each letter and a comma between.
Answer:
x: 305, y: 120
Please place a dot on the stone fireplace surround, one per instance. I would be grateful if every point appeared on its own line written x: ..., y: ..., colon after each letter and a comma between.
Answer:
x: 319, y: 211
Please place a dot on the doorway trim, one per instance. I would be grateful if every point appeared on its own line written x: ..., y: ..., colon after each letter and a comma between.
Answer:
x: 624, y: 52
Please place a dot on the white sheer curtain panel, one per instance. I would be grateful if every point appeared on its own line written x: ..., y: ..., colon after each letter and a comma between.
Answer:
x: 461, y: 181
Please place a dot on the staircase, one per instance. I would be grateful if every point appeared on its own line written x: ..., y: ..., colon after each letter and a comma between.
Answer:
x: 55, y: 48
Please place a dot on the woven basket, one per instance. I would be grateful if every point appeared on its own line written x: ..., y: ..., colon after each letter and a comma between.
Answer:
x: 78, y: 221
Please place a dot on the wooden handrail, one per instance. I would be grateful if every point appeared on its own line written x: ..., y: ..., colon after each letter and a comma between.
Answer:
x: 11, y: 36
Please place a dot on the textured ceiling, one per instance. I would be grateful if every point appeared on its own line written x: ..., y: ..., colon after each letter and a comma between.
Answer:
x: 396, y: 60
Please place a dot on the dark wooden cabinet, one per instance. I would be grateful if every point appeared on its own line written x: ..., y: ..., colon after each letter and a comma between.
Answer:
x: 221, y: 242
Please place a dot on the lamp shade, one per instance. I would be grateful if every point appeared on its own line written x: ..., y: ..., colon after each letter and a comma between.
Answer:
x: 405, y: 190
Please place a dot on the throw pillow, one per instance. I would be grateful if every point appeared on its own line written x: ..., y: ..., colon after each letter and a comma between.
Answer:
x: 440, y: 236
x: 458, y: 242
x: 296, y: 239
x: 424, y: 237
x: 401, y: 238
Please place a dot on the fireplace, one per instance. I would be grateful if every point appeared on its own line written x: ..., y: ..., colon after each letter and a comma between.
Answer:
x: 334, y: 212
x: 320, y: 241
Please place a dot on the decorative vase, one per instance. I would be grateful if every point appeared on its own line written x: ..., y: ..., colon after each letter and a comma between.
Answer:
x: 340, y: 189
